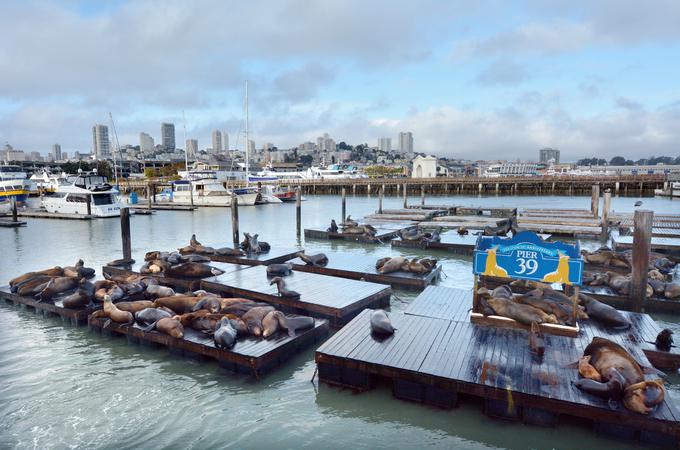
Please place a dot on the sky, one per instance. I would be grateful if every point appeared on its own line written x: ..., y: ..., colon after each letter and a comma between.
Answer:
x: 472, y: 80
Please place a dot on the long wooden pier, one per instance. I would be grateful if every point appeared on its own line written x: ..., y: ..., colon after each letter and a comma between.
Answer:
x: 250, y: 355
x: 56, y: 308
x: 273, y: 256
x: 362, y: 267
x: 435, y: 357
x: 326, y: 297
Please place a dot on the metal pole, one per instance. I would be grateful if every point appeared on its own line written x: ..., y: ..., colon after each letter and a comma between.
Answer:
x: 642, y: 245
x: 298, y: 214
x: 234, y: 219
x: 344, y: 209
x: 125, y: 233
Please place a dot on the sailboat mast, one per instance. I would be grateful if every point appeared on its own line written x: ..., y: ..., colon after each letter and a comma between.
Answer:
x: 115, y: 134
x: 247, y: 141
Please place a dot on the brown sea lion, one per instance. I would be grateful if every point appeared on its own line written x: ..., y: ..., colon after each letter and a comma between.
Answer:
x: 155, y: 291
x: 239, y: 309
x: 270, y: 323
x: 381, y: 262
x: 586, y: 370
x: 179, y: 303
x: 72, y: 271
x: 224, y: 302
x: 209, y: 303
x: 462, y: 231
x: 115, y: 314
x: 239, y: 325
x: 393, y: 265
x: 192, y: 270
x: 228, y: 251
x: 82, y: 297
x: 134, y: 306
x: 502, y: 291
x: 292, y: 324
x: 283, y: 290
x: 658, y: 287
x: 318, y: 260
x: 170, y: 327
x: 671, y: 290
x: 563, y: 314
x: 253, y: 319
x: 56, y: 286
x: 32, y: 286
x: 603, y: 313
x: 150, y: 315
x: 656, y: 275
x: 522, y: 313
x: 55, y: 271
x: 419, y: 267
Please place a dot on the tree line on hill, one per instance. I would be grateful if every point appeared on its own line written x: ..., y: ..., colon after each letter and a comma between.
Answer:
x: 621, y: 161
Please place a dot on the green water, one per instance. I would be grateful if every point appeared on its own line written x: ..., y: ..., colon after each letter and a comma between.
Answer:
x: 64, y: 387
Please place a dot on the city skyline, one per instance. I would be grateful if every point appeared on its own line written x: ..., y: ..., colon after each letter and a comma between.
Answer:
x: 469, y: 82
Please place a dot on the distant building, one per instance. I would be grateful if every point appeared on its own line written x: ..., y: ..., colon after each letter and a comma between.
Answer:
x: 406, y: 142
x: 325, y: 143
x: 225, y: 141
x: 56, y: 151
x: 36, y: 156
x: 546, y: 154
x: 385, y: 144
x: 424, y: 167
x: 636, y: 169
x: 251, y: 147
x: 146, y: 144
x: 306, y: 148
x: 64, y: 155
x: 217, y: 141
x: 168, y: 137
x: 192, y: 147
x: 101, y: 147
x: 511, y: 169
x: 267, y: 146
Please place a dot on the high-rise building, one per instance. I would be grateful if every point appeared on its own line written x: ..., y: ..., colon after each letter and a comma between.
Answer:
x: 56, y: 151
x: 325, y: 143
x: 546, y: 154
x: 406, y: 142
x: 217, y: 141
x: 385, y: 144
x: 35, y: 156
x: 192, y: 147
x: 251, y: 146
x: 100, y: 141
x: 64, y: 155
x: 225, y: 141
x: 168, y: 137
x: 146, y: 143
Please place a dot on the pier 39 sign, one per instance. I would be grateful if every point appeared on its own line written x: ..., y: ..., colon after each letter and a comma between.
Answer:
x: 528, y: 257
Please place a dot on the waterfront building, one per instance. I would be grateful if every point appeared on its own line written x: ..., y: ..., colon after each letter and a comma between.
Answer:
x: 146, y: 144
x: 168, y: 137
x: 217, y: 141
x: 405, y: 142
x: 546, y: 154
x: 635, y: 169
x: 56, y: 152
x: 511, y: 169
x: 192, y: 147
x: 225, y: 141
x: 385, y: 144
x: 101, y: 147
x: 424, y: 167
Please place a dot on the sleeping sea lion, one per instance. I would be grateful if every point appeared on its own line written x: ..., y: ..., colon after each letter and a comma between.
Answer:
x: 179, y: 303
x: 56, y: 286
x: 225, y: 302
x: 381, y: 262
x: 55, y: 271
x: 170, y: 327
x: 318, y: 260
x: 33, y: 285
x: 524, y: 314
x: 253, y: 319
x: 80, y: 298
x: 421, y: 267
x: 148, y: 316
x: 292, y: 324
x: 271, y: 323
x: 603, y: 313
x: 279, y: 269
x: 671, y: 290
x: 225, y: 334
x: 115, y: 314
x: 72, y: 271
x: 393, y: 265
x: 192, y: 270
x: 283, y: 291
x: 381, y: 324
x: 240, y: 309
x: 135, y: 306
x: 227, y: 251
x: 155, y: 291
x: 239, y: 325
x: 209, y: 303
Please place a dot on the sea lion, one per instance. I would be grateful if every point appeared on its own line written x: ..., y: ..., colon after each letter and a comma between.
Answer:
x: 656, y: 275
x: 227, y: 251
x: 664, y: 340
x: 209, y: 303
x: 410, y: 235
x: 239, y: 325
x: 225, y: 334
x: 192, y: 270
x: 502, y: 291
x: 33, y: 285
x: 561, y: 312
x: 393, y: 265
x: 179, y: 303
x: 55, y: 286
x: 524, y: 314
x: 435, y: 236
x: 253, y: 319
x: 115, y: 314
x: 271, y: 323
x: 80, y: 298
x: 419, y: 267
x: 193, y: 242
x: 586, y: 370
x: 72, y: 271
x: 381, y: 262
x: 318, y: 260
x: 55, y: 271
x: 155, y: 291
x: 603, y: 313
x: 253, y: 244
x: 462, y: 231
x: 349, y: 222
x: 283, y: 291
x: 381, y: 324
x: 170, y: 327
x: 333, y: 228
x: 671, y: 290
x: 292, y: 324
x: 134, y: 306
x: 239, y: 309
x: 536, y: 342
x: 658, y: 287
x: 279, y: 269
x: 150, y: 315
x: 225, y: 302
x: 201, y: 320
x: 132, y: 289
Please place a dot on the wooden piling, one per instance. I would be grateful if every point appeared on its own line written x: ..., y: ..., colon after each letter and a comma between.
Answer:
x: 405, y: 199
x: 298, y: 214
x: 89, y: 204
x: 422, y: 195
x: 642, y: 243
x: 606, y: 204
x: 344, y: 204
x: 125, y: 233
x: 148, y: 196
x: 15, y: 215
x: 380, y: 199
x: 234, y: 218
x: 595, y: 200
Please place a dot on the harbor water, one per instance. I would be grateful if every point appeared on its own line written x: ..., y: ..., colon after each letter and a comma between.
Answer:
x: 65, y: 387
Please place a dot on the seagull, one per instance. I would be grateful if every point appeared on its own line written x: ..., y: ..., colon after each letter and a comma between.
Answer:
x: 638, y: 203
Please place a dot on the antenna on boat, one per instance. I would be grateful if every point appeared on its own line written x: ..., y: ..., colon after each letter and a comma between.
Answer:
x: 115, y: 134
x: 247, y: 141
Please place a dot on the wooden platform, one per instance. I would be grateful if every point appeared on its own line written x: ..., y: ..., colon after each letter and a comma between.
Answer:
x: 168, y: 207
x: 498, y: 213
x: 47, y: 215
x: 435, y: 359
x: 385, y: 231
x: 249, y: 355
x: 658, y: 243
x: 450, y: 241
x: 362, y: 267
x: 273, y: 256
x: 561, y: 230
x: 454, y: 222
x: 322, y: 296
x: 450, y: 209
x: 75, y: 316
x: 407, y: 214
x: 11, y: 224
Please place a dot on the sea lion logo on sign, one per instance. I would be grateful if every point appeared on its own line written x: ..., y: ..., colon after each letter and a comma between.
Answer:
x: 527, y: 256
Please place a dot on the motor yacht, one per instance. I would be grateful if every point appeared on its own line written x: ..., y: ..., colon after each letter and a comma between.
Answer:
x: 86, y: 192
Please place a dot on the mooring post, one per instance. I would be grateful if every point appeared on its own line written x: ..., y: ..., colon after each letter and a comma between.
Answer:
x: 15, y: 215
x: 234, y: 219
x: 344, y: 204
x: 380, y: 199
x: 148, y: 196
x: 89, y: 204
x: 606, y: 204
x: 595, y: 200
x: 405, y: 199
x: 298, y: 214
x: 422, y: 195
x: 125, y: 233
x: 642, y: 244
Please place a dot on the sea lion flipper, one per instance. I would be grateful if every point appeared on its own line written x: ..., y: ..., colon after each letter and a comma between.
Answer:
x: 149, y: 327
x: 107, y: 323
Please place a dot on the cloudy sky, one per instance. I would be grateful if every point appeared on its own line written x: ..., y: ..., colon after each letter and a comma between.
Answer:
x: 495, y: 80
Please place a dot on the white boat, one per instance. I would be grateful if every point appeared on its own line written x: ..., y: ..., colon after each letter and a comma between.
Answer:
x: 73, y: 196
x: 13, y: 183
x: 209, y: 191
x: 334, y: 171
x: 672, y: 191
x: 46, y: 182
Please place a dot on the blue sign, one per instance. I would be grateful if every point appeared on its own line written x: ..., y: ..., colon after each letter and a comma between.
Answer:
x: 528, y: 257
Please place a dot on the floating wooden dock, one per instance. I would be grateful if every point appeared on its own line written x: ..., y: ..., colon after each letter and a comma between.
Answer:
x: 332, y: 298
x: 75, y: 316
x: 658, y: 243
x: 11, y: 224
x: 416, y: 215
x: 450, y: 241
x: 273, y: 256
x: 362, y: 267
x: 436, y: 356
x: 249, y: 355
x: 454, y: 222
x: 450, y: 209
x: 385, y: 231
x: 48, y: 215
x: 498, y: 213
x: 167, y: 207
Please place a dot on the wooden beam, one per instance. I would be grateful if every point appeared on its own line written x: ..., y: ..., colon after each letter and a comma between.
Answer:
x: 642, y: 244
x: 125, y: 233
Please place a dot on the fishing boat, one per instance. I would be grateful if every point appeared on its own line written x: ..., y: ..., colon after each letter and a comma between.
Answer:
x: 13, y: 183
x: 86, y: 192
